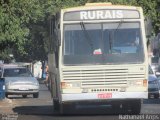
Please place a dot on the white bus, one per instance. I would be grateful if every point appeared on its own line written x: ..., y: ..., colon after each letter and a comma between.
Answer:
x: 98, y: 55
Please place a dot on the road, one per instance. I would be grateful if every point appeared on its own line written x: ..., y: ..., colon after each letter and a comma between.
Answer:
x: 41, y: 109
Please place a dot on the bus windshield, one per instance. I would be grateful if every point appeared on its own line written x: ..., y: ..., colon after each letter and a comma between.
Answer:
x: 102, y: 43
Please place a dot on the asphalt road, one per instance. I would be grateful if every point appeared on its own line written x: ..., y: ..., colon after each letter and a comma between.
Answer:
x: 41, y: 109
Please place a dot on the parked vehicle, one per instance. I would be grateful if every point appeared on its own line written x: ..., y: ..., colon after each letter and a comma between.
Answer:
x: 155, y: 63
x: 159, y: 83
x: 153, y: 85
x: 19, y: 80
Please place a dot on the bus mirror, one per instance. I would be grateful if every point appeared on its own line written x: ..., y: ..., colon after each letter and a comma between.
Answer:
x: 58, y: 26
x: 59, y: 37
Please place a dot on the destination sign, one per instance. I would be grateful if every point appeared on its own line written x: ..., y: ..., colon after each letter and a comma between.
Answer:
x: 101, y: 15
x: 107, y: 14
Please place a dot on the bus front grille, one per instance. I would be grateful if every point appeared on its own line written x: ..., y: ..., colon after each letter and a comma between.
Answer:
x: 101, y: 77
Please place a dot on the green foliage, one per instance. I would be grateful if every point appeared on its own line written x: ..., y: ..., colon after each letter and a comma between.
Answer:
x: 151, y: 9
x: 5, y: 55
x: 24, y: 25
x: 16, y: 20
x: 67, y: 3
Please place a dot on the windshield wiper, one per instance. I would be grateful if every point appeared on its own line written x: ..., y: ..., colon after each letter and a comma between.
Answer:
x: 110, y: 42
x: 87, y: 35
x: 119, y: 25
x: 111, y: 36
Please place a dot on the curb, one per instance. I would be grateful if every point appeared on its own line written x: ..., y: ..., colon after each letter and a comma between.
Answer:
x: 6, y: 106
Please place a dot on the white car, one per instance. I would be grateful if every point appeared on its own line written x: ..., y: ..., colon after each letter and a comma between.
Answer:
x: 19, y: 81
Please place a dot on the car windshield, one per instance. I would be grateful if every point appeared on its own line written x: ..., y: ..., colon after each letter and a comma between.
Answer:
x: 17, y: 72
x: 154, y: 59
x: 152, y: 82
x: 102, y: 43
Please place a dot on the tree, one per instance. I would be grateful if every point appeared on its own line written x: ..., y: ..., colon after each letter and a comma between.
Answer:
x: 16, y: 20
x: 24, y: 25
x: 36, y: 46
x: 151, y: 9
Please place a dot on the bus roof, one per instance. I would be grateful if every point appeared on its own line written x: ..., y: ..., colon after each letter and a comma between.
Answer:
x: 100, y: 6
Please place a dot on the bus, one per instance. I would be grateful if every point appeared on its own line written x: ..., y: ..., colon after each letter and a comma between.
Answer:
x: 98, y: 55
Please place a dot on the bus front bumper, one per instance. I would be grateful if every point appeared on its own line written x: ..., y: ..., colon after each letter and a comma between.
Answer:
x: 104, y: 96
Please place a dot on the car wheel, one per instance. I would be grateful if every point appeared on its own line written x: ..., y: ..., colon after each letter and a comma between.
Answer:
x: 6, y: 95
x: 24, y: 96
x: 156, y: 96
x: 35, y: 95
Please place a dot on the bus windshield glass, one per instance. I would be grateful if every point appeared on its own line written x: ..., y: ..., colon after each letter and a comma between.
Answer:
x: 102, y: 43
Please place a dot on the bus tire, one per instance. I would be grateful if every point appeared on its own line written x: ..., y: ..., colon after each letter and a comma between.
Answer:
x: 56, y: 105
x: 61, y: 109
x: 136, y: 107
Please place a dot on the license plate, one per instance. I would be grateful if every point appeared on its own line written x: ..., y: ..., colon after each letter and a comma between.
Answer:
x: 23, y: 88
x: 105, y: 95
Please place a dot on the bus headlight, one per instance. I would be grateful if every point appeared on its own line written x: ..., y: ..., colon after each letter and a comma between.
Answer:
x: 65, y: 85
x: 136, y: 82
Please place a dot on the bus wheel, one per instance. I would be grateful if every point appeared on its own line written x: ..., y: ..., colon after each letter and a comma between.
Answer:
x: 136, y: 107
x: 56, y: 105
